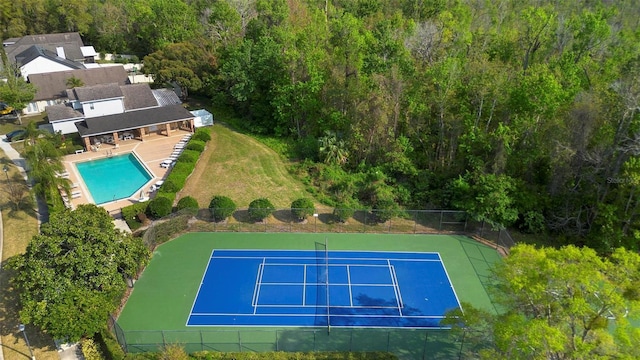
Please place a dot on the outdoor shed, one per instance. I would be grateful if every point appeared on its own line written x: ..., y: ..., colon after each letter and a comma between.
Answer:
x: 202, y: 118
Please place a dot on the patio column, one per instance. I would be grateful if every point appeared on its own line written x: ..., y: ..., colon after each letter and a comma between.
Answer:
x: 115, y: 138
x: 167, y: 126
x: 142, y: 133
x: 87, y: 143
x: 192, y: 125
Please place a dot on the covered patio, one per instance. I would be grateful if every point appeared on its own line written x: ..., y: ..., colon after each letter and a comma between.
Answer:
x: 134, y: 125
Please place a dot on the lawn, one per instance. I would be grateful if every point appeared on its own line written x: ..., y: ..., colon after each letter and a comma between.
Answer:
x: 18, y: 228
x: 242, y: 168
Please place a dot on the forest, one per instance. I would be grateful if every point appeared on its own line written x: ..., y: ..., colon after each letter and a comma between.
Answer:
x: 524, y: 113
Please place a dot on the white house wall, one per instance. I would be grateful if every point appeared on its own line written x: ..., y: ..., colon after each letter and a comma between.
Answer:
x: 66, y: 127
x: 41, y: 65
x: 37, y: 107
x: 101, y: 108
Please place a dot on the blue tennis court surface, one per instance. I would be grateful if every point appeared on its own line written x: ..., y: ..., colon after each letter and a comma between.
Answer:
x: 319, y: 288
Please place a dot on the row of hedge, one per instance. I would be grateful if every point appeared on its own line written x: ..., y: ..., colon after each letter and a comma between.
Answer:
x: 162, y: 203
x: 259, y: 209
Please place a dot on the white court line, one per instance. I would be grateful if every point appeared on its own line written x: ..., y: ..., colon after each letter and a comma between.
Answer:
x: 199, y: 287
x: 258, y: 282
x: 317, y: 284
x: 396, y: 289
x: 304, y: 285
x: 349, y: 282
x: 314, y: 315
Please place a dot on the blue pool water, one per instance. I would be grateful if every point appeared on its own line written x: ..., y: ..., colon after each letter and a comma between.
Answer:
x: 113, y: 178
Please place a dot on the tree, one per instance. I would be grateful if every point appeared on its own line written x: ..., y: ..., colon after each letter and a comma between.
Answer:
x: 221, y: 207
x: 73, y: 275
x: 332, y: 150
x: 301, y: 208
x: 187, y: 202
x: 185, y: 64
x: 44, y: 164
x: 559, y: 303
x: 260, y: 209
x: 160, y: 206
x: 15, y: 91
x: 74, y: 82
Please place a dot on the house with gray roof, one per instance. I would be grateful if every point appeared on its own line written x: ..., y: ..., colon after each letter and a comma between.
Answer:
x: 112, y: 113
x: 51, y: 88
x: 37, y: 54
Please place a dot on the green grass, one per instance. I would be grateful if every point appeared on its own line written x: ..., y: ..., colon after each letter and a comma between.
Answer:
x: 19, y: 226
x: 163, y: 296
x: 242, y: 168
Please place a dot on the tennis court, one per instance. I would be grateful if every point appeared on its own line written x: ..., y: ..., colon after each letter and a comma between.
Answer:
x: 201, y: 290
x: 323, y: 288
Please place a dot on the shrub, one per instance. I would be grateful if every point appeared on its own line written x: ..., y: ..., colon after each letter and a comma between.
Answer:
x: 169, y: 185
x: 221, y: 207
x: 202, y: 134
x: 343, y: 212
x: 90, y: 350
x: 189, y: 156
x: 109, y: 345
x: 385, y: 209
x: 260, y: 209
x: 173, y: 352
x: 160, y: 206
x: 131, y: 214
x: 196, y: 145
x: 187, y: 202
x: 301, y: 208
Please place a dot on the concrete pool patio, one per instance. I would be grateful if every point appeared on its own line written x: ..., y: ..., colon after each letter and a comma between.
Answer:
x: 151, y: 152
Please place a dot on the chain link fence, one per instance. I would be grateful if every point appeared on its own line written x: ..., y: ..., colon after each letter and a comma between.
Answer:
x: 362, y: 221
x: 409, y: 343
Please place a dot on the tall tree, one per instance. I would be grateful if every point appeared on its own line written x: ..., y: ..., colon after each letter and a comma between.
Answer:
x: 74, y: 273
x: 15, y: 91
x: 558, y: 304
x: 185, y: 64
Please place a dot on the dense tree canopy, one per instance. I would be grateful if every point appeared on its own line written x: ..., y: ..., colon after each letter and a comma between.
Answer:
x: 558, y: 304
x: 525, y: 113
x: 73, y: 275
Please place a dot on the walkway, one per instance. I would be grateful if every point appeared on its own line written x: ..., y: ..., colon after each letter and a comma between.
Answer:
x: 21, y: 164
x: 72, y: 352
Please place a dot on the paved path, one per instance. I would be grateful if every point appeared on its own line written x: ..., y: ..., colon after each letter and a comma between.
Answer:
x: 21, y: 164
x: 71, y: 352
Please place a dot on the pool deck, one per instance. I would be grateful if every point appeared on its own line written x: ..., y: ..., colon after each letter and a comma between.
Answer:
x: 152, y: 151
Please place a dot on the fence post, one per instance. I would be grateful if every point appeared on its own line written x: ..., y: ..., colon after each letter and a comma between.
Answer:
x: 415, y: 221
x: 239, y: 342
x: 441, y: 215
x: 364, y: 223
x: 201, y: 341
x: 164, y: 343
x: 424, y: 350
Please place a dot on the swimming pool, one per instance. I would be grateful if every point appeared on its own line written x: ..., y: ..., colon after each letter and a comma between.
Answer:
x: 113, y: 178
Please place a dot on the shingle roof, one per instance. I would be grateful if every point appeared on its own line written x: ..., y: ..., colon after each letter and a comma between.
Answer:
x: 33, y: 52
x: 138, y: 96
x: 54, y: 85
x: 132, y: 120
x: 166, y: 97
x: 62, y: 112
x: 96, y: 92
x: 70, y: 42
